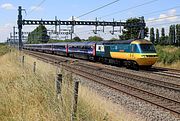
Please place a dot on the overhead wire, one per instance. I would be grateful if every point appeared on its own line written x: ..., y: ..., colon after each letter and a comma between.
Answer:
x: 162, y: 10
x: 166, y: 17
x: 98, y: 8
x: 166, y: 23
x: 37, y: 6
x: 161, y: 24
x: 149, y: 2
x: 33, y: 9
x: 153, y: 12
x: 117, y: 12
x: 162, y: 18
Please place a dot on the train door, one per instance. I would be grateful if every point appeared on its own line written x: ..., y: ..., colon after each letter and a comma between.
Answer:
x: 66, y: 46
x: 107, y: 51
x: 94, y: 49
x: 100, y: 50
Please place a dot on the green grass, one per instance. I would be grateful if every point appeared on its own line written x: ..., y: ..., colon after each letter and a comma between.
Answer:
x: 168, y: 54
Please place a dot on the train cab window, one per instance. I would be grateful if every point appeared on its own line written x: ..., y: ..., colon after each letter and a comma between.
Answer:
x: 116, y: 47
x: 147, y: 48
x: 134, y: 48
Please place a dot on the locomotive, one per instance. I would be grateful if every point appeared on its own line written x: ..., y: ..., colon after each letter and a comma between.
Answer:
x: 131, y: 53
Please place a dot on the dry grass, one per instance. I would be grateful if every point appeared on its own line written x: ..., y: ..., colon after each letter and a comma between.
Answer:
x: 30, y: 97
x: 102, y: 108
x: 24, y: 95
x: 170, y: 49
x: 175, y: 65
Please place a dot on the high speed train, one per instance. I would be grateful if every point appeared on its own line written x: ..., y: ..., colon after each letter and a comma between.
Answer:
x: 131, y: 53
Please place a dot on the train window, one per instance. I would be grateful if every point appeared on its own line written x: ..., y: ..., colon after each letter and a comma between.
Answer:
x: 59, y: 46
x: 87, y: 47
x: 123, y: 47
x: 147, y: 48
x: 134, y: 48
x: 99, y: 48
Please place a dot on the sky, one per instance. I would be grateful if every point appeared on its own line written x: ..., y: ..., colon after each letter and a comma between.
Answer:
x: 157, y: 13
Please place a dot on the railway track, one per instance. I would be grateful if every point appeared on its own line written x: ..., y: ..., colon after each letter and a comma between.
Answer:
x: 120, y: 73
x: 152, y: 98
x: 166, y: 72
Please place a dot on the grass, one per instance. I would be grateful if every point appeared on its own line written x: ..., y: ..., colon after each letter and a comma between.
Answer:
x: 24, y: 95
x: 29, y: 96
x: 4, y: 49
x: 169, y: 56
x: 101, y: 108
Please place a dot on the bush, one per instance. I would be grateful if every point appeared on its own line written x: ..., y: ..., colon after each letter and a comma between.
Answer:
x: 168, y: 54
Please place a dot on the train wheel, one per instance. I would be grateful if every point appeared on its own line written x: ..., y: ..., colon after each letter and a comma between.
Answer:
x: 135, y: 66
x: 128, y: 64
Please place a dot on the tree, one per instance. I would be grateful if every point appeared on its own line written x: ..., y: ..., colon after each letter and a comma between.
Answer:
x: 38, y: 35
x: 162, y: 39
x: 130, y: 32
x: 77, y: 39
x: 178, y: 35
x: 157, y: 36
x: 152, y: 38
x: 95, y: 38
x: 172, y: 36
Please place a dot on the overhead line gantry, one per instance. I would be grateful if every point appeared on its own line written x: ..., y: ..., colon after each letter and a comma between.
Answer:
x: 21, y: 22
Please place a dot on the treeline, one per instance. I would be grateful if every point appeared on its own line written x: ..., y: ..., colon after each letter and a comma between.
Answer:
x: 38, y: 35
x: 159, y: 37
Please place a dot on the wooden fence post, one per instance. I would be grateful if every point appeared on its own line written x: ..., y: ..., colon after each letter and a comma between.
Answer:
x: 23, y: 60
x: 58, y: 84
x: 34, y: 67
x: 75, y: 100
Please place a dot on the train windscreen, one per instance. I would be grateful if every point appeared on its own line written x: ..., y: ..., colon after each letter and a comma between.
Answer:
x: 147, y: 48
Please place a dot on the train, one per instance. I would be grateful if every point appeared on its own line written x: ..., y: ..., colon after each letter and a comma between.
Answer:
x: 133, y: 53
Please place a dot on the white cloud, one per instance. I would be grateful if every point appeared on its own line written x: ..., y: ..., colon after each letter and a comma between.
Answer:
x: 172, y: 12
x: 5, y: 31
x: 8, y: 6
x: 150, y: 19
x: 36, y: 8
x: 169, y: 16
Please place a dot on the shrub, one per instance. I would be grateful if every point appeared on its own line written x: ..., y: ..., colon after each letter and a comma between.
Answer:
x: 168, y: 54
